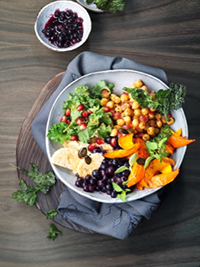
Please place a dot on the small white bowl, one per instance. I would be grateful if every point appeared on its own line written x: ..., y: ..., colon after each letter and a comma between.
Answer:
x: 91, y: 7
x: 47, y: 12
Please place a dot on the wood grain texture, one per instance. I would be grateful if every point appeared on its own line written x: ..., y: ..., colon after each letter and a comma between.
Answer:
x: 163, y: 34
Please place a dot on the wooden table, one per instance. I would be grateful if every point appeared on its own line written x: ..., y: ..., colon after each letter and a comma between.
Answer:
x: 163, y: 34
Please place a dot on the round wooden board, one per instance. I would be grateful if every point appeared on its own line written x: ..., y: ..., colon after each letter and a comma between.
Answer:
x: 28, y: 151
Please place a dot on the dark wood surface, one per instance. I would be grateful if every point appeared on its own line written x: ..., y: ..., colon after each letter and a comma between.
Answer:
x: 163, y: 34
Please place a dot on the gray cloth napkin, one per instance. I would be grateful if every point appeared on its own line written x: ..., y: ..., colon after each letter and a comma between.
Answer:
x: 117, y: 220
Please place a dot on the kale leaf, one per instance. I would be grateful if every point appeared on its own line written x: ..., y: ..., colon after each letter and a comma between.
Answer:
x: 50, y: 214
x: 53, y: 232
x: 43, y: 183
x: 109, y: 5
x: 165, y: 100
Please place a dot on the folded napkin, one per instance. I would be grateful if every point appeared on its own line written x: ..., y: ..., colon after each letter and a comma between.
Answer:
x: 117, y: 220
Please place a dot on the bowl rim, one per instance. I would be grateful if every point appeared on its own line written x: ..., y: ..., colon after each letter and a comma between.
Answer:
x: 70, y: 48
x: 97, y: 10
x: 90, y: 196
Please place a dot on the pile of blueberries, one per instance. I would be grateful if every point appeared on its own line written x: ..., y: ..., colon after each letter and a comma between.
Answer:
x: 64, y: 28
x: 101, y: 179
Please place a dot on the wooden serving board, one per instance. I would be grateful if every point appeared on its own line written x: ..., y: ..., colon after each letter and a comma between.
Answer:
x: 28, y: 151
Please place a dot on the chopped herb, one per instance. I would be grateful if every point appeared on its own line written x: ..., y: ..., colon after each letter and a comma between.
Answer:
x: 121, y: 193
x: 43, y: 183
x: 156, y: 150
x: 50, y: 214
x: 53, y: 233
x: 108, y: 5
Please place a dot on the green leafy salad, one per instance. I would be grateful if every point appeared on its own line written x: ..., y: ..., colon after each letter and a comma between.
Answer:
x: 95, y: 122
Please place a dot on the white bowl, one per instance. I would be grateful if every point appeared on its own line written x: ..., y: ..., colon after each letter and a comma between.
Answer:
x: 47, y: 12
x: 121, y: 78
x: 91, y: 7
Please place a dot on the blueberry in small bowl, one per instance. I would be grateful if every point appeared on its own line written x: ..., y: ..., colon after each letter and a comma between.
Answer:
x: 63, y: 26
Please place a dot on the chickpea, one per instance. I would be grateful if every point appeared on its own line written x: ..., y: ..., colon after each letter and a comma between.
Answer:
x: 163, y: 120
x: 117, y: 127
x: 127, y: 119
x: 114, y: 132
x: 116, y: 99
x: 110, y: 104
x: 125, y: 106
x: 158, y: 116
x: 124, y: 97
x: 159, y: 123
x: 105, y: 93
x: 132, y: 86
x: 104, y: 102
x: 135, y: 105
x: 135, y: 122
x: 144, y: 88
x: 152, y: 123
x: 152, y: 94
x: 118, y: 108
x: 146, y: 137
x: 137, y: 112
x: 151, y: 130
x: 138, y: 84
x: 171, y: 121
x: 153, y: 109
x: 120, y: 122
x: 142, y: 125
x: 151, y: 115
x: 127, y: 112
x: 144, y: 111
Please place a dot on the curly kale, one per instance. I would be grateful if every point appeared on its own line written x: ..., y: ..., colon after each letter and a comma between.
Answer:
x: 108, y: 5
x: 164, y: 101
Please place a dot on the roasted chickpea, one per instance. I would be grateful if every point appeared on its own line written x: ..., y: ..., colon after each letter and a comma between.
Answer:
x: 151, y: 115
x: 158, y: 116
x: 135, y: 122
x: 152, y: 94
x: 120, y: 122
x: 137, y: 112
x: 152, y: 123
x: 124, y: 97
x: 116, y: 99
x: 124, y: 106
x: 118, y: 108
x: 142, y: 125
x: 127, y: 119
x: 135, y: 105
x: 114, y: 132
x: 159, y: 123
x: 104, y: 102
x: 144, y: 88
x: 138, y: 84
x: 163, y: 120
x: 117, y: 127
x: 151, y: 130
x: 110, y: 104
x: 146, y: 137
x: 144, y: 111
x: 127, y: 112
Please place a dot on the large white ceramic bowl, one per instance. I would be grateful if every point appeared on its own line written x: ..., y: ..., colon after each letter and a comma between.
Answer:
x: 120, y: 78
x: 47, y: 12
